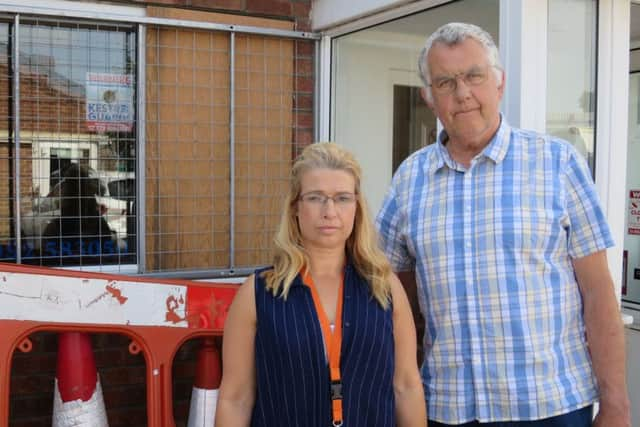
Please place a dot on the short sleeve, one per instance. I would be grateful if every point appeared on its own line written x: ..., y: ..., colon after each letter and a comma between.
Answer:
x: 391, y: 224
x: 588, y: 228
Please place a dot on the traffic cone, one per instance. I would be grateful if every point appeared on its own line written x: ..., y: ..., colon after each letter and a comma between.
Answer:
x: 204, y: 395
x: 77, y: 399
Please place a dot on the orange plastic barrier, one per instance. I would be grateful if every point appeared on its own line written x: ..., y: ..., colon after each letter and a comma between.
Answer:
x: 157, y: 315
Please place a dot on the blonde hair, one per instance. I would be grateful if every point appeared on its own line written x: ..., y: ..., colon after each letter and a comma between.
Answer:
x: 362, y: 245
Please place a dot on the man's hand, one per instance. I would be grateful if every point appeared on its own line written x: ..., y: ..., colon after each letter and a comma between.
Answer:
x: 613, y: 414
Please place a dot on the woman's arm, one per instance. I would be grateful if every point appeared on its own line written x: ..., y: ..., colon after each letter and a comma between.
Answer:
x: 238, y: 388
x: 407, y: 385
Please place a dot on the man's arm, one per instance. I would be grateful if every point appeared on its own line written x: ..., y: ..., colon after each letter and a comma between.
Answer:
x: 408, y: 280
x: 605, y: 336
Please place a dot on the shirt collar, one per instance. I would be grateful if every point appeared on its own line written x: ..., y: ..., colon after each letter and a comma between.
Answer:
x: 496, y: 150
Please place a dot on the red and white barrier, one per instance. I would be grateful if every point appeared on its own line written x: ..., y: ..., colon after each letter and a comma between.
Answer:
x: 204, y: 395
x: 77, y: 400
x: 72, y: 297
x: 158, y: 315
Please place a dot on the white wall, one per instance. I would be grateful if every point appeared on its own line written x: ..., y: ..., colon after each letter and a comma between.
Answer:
x: 364, y: 103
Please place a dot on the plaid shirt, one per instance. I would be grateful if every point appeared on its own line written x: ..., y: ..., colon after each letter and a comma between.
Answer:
x: 492, y: 246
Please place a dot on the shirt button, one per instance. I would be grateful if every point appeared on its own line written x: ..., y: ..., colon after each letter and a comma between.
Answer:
x: 468, y: 244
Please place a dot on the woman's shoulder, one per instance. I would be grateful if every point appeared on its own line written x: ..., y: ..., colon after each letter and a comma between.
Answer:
x: 245, y: 293
x: 259, y: 275
x: 260, y: 281
x: 260, y: 271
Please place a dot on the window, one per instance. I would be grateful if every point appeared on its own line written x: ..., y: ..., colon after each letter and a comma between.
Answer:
x: 571, y: 73
x: 224, y: 114
x: 376, y: 109
x: 76, y: 131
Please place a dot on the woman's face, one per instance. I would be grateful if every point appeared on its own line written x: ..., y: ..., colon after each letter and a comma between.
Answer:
x: 326, y: 208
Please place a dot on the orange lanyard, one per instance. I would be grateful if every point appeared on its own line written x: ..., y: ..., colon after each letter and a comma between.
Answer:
x: 333, y: 344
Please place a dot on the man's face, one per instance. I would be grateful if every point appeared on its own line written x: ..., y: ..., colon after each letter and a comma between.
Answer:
x: 465, y: 92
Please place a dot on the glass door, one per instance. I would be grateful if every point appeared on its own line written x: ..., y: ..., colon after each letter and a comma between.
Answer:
x: 631, y: 254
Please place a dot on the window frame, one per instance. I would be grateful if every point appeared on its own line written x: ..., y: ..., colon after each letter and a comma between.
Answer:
x: 523, y: 50
x: 137, y: 17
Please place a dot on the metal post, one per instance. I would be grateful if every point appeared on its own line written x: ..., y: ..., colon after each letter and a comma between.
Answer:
x: 232, y: 156
x: 316, y: 91
x: 15, y: 65
x: 141, y: 247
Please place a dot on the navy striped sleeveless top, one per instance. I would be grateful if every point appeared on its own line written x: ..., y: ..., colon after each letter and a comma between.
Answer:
x: 292, y: 374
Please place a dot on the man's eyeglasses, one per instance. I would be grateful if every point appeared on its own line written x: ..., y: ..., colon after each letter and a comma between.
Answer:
x: 318, y: 199
x: 474, y: 77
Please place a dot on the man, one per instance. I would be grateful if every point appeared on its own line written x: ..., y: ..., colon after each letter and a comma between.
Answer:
x: 503, y: 233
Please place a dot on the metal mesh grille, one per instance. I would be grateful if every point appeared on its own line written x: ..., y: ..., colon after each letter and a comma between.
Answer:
x: 77, y: 144
x: 264, y: 124
x: 225, y: 114
x: 196, y: 218
x: 187, y: 188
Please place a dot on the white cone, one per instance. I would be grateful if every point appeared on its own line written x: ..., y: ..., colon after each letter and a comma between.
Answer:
x: 77, y: 413
x: 202, y: 412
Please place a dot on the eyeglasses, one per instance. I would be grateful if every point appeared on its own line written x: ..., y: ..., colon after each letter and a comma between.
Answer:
x: 474, y: 77
x: 317, y: 199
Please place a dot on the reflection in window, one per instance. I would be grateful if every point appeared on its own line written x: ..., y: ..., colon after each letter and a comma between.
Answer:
x: 414, y: 124
x: 77, y: 136
x: 377, y: 112
x: 571, y: 72
x: 7, y: 245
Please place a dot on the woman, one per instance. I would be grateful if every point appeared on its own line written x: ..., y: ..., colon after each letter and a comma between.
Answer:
x: 325, y: 336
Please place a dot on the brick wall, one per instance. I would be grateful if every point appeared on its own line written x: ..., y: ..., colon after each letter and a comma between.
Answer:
x: 40, y: 107
x: 123, y: 374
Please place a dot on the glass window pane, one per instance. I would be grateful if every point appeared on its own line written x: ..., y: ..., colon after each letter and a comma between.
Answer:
x: 631, y: 252
x: 7, y: 225
x: 630, y: 287
x: 377, y: 111
x: 571, y: 73
x: 77, y: 87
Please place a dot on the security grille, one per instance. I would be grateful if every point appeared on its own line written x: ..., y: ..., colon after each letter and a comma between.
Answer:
x: 194, y: 151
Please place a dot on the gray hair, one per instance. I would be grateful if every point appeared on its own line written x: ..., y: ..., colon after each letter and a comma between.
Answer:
x: 451, y: 34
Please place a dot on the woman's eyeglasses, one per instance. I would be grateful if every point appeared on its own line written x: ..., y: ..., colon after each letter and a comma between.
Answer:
x: 318, y: 199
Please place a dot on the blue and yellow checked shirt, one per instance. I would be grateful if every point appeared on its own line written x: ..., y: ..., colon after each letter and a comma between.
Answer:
x: 491, y: 246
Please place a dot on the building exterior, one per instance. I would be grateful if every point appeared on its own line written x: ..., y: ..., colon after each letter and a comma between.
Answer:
x: 189, y: 115
x: 571, y: 70
x: 186, y: 114
x: 145, y: 138
x: 564, y: 76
